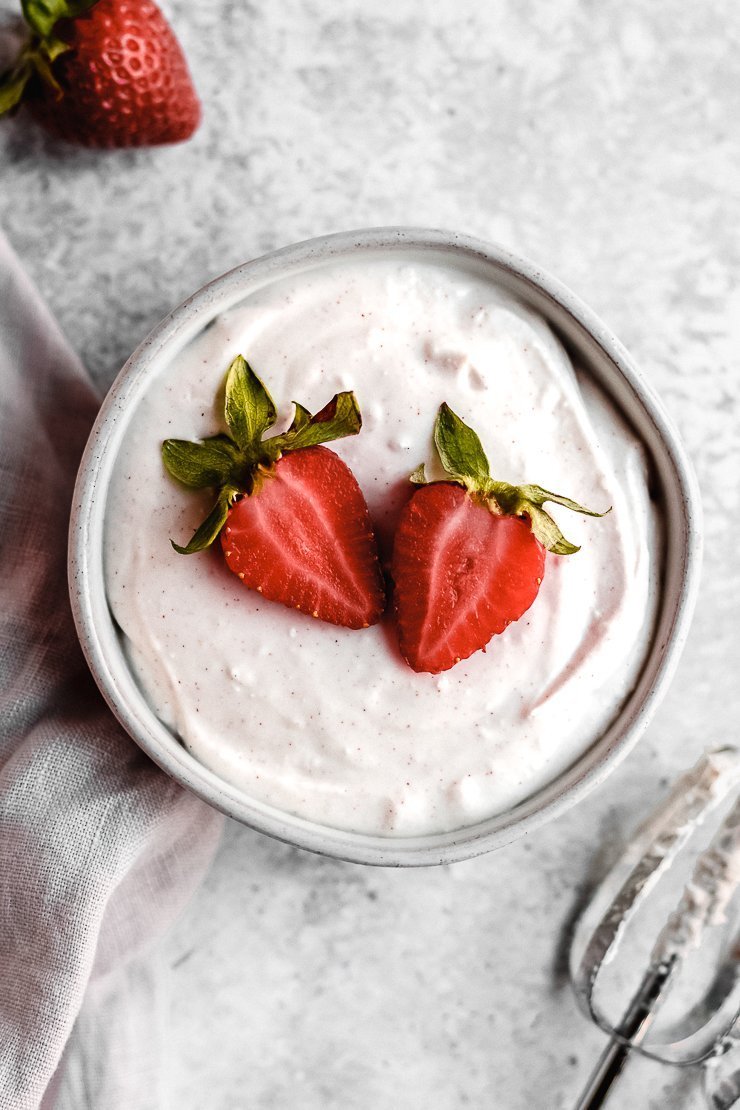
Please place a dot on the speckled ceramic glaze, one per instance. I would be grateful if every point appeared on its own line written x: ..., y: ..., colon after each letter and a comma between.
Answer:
x: 595, y: 350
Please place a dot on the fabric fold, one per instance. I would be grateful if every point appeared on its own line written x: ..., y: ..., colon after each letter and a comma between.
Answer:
x: 99, y: 850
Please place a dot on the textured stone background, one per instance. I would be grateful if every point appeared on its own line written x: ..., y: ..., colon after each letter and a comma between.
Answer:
x: 601, y: 139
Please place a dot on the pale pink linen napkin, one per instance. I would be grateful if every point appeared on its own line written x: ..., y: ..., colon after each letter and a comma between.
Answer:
x: 99, y: 850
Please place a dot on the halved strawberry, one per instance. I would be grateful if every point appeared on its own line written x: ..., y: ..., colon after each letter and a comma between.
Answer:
x: 469, y: 553
x: 293, y: 522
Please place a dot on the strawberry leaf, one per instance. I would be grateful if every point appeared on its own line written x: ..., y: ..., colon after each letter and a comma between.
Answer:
x: 43, y: 68
x: 301, y: 417
x: 531, y: 500
x: 250, y: 410
x: 212, y: 462
x: 340, y: 418
x: 464, y: 460
x: 460, y: 450
x: 548, y: 533
x: 521, y: 500
x: 42, y: 15
x: 51, y: 50
x: 536, y: 495
x: 13, y: 84
x: 238, y: 466
x: 419, y: 476
x: 211, y: 526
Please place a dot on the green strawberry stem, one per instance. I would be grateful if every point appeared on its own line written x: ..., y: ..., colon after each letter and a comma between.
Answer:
x: 41, y: 50
x: 237, y: 464
x: 464, y: 461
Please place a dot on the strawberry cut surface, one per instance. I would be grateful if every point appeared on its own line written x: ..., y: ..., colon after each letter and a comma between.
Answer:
x: 304, y: 538
x: 462, y: 574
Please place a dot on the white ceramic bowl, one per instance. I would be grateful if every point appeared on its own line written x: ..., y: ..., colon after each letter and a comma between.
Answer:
x: 597, y: 351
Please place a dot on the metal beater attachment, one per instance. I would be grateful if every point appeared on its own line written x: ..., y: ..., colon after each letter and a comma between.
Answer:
x: 655, y: 960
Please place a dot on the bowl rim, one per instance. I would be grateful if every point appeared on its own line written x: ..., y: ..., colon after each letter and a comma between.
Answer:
x: 113, y: 675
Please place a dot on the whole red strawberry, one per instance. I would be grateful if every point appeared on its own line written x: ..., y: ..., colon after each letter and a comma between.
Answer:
x: 292, y: 519
x: 469, y: 553
x: 103, y: 74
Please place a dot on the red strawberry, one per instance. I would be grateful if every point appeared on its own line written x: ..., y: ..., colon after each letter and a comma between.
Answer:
x: 293, y: 522
x: 469, y: 554
x: 104, y: 74
x: 461, y: 574
x: 306, y: 540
